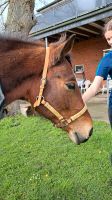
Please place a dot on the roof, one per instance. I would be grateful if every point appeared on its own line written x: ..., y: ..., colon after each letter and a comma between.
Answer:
x: 67, y: 14
x: 49, y: 5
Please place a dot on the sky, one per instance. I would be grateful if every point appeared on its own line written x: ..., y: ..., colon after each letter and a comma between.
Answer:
x: 3, y: 17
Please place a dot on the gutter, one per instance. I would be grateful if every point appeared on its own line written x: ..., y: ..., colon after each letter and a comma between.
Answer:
x: 49, y: 5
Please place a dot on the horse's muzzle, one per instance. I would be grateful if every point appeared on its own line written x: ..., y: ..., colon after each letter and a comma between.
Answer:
x: 80, y: 139
x: 77, y: 138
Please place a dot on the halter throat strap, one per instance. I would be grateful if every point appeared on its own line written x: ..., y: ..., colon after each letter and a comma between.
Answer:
x: 62, y: 121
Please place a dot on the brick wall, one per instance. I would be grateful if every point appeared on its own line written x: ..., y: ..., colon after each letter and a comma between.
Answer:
x: 89, y: 53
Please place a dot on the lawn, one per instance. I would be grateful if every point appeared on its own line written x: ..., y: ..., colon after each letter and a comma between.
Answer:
x: 39, y: 162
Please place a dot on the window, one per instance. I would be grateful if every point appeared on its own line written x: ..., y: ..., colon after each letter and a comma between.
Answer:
x: 79, y: 68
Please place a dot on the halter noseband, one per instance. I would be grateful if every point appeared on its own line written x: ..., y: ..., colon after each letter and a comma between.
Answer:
x: 40, y: 99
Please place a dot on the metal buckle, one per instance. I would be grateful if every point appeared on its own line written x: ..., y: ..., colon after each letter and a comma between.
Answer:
x: 43, y: 79
x: 42, y: 98
x: 63, y: 123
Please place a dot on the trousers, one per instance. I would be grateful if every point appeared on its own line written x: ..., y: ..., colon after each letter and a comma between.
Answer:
x: 110, y: 109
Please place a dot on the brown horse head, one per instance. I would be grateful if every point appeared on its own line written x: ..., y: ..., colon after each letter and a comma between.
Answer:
x: 24, y: 62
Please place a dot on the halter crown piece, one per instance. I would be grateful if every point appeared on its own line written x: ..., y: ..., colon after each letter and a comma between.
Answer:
x: 40, y: 99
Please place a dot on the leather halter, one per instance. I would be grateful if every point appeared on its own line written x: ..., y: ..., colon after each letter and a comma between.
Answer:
x: 41, y: 100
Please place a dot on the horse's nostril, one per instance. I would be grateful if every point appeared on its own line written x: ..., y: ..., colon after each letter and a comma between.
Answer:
x: 80, y: 139
x: 91, y: 131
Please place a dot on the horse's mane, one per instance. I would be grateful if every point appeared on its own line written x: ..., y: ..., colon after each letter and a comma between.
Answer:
x: 7, y: 44
x: 20, y: 59
x: 24, y: 60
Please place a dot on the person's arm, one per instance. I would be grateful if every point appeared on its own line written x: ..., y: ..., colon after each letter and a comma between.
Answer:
x: 93, y: 89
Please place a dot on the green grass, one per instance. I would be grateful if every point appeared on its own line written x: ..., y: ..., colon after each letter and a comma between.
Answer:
x: 39, y: 162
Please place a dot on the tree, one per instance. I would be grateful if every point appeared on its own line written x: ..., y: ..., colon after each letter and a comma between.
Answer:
x: 20, y: 20
x: 20, y: 17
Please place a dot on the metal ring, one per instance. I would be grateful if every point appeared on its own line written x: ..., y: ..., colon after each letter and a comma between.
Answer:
x: 36, y: 97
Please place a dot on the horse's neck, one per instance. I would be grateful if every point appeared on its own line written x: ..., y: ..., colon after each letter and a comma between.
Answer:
x: 20, y: 68
x: 20, y: 76
x: 27, y: 90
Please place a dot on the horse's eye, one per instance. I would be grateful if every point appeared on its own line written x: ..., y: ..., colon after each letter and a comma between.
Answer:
x: 70, y: 86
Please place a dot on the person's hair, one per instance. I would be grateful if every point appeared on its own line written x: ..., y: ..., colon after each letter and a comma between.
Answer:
x: 107, y: 26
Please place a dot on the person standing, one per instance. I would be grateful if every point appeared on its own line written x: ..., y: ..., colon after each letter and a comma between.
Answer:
x: 103, y: 70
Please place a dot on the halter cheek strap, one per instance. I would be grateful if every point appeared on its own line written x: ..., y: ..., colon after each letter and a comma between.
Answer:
x: 44, y: 75
x: 40, y: 99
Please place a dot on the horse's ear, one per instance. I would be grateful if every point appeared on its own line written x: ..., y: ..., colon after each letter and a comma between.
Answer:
x: 67, y: 46
x: 62, y: 50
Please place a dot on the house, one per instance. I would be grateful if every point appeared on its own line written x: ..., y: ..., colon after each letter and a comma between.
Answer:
x: 85, y: 19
